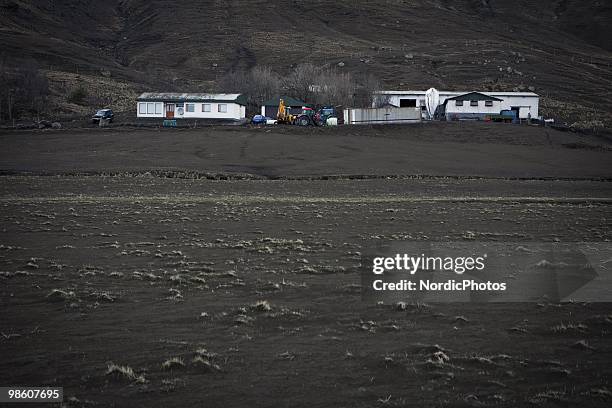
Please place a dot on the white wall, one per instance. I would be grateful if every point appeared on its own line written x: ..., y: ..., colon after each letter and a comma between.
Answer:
x: 381, y: 115
x: 419, y: 96
x: 528, y: 102
x: 234, y: 111
x: 451, y: 107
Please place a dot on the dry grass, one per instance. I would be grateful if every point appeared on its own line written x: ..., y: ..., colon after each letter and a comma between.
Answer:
x: 416, y: 306
x: 439, y: 357
x: 287, y: 355
x: 174, y: 362
x: 570, y: 327
x: 547, y: 396
x: 103, y: 296
x: 59, y: 295
x: 261, y: 306
x: 205, y: 363
x: 582, y: 345
x: 124, y: 372
x: 13, y: 274
x: 205, y: 359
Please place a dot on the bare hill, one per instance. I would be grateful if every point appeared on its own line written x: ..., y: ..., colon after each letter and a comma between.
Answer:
x: 559, y: 47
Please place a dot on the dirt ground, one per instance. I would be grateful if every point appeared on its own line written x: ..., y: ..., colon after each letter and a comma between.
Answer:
x: 432, y: 149
x: 145, y: 249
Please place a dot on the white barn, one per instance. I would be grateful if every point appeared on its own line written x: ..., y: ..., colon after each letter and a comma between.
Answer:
x: 525, y: 103
x: 191, y: 106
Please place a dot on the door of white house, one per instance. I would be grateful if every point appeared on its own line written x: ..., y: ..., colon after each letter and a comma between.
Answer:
x: 170, y: 111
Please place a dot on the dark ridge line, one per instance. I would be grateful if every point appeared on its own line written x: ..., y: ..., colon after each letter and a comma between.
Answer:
x: 199, y: 175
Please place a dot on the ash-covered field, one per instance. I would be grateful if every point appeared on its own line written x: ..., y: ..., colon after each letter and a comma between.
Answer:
x: 132, y: 288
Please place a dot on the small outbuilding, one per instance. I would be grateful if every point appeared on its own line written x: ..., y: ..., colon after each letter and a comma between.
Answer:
x: 191, y: 106
x: 293, y: 105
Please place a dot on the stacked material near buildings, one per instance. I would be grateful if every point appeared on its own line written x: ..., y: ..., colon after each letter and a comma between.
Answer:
x: 385, y: 115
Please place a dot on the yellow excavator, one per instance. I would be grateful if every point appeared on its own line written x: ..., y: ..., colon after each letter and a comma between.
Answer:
x: 283, y: 115
x: 308, y: 116
x: 305, y: 118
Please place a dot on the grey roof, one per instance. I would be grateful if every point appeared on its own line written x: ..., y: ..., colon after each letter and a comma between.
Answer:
x: 191, y: 97
x: 456, y: 93
x: 289, y: 101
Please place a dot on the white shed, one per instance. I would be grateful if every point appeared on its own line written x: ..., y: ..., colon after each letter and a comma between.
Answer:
x: 191, y: 106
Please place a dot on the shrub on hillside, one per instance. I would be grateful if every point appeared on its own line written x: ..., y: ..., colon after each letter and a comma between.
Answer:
x: 77, y: 95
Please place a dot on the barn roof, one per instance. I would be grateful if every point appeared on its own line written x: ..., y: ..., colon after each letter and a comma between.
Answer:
x: 289, y: 101
x: 455, y: 93
x: 191, y: 97
x: 474, y: 96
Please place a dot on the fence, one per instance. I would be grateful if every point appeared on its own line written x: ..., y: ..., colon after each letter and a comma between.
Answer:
x: 381, y: 115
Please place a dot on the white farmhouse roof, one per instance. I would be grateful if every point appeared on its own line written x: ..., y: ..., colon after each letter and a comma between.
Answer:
x: 457, y: 93
x: 191, y: 97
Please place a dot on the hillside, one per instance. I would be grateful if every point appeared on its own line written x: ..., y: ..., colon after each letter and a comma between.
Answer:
x: 559, y: 47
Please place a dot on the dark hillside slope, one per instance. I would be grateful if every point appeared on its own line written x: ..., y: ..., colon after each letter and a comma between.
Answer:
x: 559, y: 47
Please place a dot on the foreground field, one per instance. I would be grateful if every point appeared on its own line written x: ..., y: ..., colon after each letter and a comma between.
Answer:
x: 436, y: 149
x: 137, y: 290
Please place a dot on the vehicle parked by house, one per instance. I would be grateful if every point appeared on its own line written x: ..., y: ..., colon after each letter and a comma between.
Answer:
x: 263, y: 120
x: 103, y: 114
x: 506, y: 116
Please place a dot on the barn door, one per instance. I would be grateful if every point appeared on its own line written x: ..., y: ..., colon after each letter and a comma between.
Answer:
x: 170, y: 111
x: 517, y: 109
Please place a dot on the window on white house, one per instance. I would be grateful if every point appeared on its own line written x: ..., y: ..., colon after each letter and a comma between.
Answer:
x: 150, y: 108
x: 158, y: 108
x: 473, y: 103
x: 223, y: 107
x: 190, y: 107
x: 488, y: 103
x: 142, y: 108
x: 206, y: 107
x: 408, y: 103
x: 458, y: 103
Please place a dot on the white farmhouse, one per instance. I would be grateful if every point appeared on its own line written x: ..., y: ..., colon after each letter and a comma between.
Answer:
x: 526, y: 104
x: 191, y: 106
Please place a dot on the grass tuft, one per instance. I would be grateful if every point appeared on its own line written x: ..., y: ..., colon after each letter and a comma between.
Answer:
x: 205, y: 363
x: 174, y: 362
x: 124, y: 372
x: 261, y: 306
x: 59, y: 295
